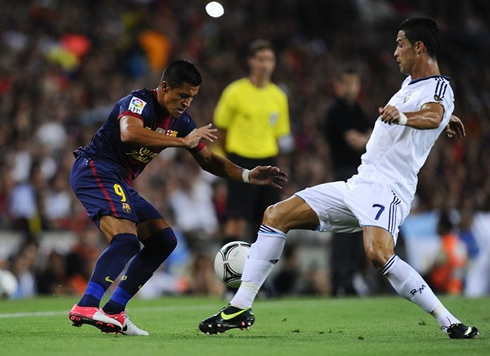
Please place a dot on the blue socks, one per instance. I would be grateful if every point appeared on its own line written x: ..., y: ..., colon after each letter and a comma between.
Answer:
x: 155, y: 251
x: 108, y: 267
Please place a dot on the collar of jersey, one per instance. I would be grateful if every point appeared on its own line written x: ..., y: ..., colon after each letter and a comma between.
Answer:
x: 432, y: 76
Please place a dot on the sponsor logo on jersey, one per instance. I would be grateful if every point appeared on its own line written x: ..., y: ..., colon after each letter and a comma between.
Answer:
x: 143, y: 155
x: 136, y: 105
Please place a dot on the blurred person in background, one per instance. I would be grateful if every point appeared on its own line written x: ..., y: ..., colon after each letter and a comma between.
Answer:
x: 59, y: 202
x: 24, y: 265
x: 27, y: 202
x: 53, y: 278
x: 347, y: 129
x: 140, y: 126
x: 190, y: 198
x: 202, y: 279
x: 81, y: 259
x: 252, y: 117
x: 448, y: 272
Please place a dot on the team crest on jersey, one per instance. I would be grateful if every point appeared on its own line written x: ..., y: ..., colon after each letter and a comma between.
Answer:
x: 126, y: 208
x: 407, y: 98
x: 437, y: 98
x: 167, y: 132
x: 136, y: 105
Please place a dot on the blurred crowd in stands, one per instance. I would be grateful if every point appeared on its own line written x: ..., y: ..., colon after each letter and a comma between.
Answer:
x: 63, y: 64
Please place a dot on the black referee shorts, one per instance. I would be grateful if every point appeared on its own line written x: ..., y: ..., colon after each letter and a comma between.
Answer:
x: 249, y: 201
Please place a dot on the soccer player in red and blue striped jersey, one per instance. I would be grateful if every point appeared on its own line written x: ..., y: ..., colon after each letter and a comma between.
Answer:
x: 139, y: 127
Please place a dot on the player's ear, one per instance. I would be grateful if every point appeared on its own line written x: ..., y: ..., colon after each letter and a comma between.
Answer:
x: 419, y: 46
x: 164, y: 85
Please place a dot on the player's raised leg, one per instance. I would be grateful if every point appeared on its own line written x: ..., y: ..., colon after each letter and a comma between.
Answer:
x: 409, y: 284
x: 292, y: 213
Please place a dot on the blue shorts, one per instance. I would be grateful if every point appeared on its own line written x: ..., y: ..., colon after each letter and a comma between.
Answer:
x: 101, y: 189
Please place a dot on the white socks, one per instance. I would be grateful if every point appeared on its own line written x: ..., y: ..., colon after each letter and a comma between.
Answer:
x: 267, y: 250
x: 263, y: 255
x: 410, y: 285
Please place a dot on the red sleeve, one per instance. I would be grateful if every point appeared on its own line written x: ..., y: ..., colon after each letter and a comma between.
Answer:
x: 130, y: 113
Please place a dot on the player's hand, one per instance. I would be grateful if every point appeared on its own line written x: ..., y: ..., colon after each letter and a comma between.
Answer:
x: 455, y: 127
x: 268, y: 175
x: 389, y: 114
x: 202, y: 133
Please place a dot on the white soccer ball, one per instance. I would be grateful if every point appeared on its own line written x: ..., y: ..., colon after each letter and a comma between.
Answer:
x: 230, y: 261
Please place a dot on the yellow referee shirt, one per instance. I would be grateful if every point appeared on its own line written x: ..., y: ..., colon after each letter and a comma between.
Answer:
x: 254, y: 118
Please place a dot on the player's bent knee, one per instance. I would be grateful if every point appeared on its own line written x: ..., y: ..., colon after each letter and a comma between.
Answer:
x: 378, y: 245
x: 377, y: 256
x: 289, y: 214
x: 273, y: 216
x: 162, y: 240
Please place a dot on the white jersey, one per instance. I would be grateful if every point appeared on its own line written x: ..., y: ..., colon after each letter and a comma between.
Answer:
x: 395, y: 154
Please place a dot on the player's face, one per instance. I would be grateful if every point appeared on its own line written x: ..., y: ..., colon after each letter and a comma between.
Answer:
x: 262, y: 64
x: 177, y: 100
x: 404, y: 53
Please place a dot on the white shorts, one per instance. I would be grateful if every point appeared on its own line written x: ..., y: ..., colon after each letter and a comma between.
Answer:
x: 347, y: 207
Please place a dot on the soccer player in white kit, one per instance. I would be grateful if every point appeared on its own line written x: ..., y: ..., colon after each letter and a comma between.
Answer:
x: 377, y: 199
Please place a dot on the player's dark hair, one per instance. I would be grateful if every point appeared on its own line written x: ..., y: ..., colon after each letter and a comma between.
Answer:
x: 258, y: 45
x: 423, y: 30
x: 181, y: 71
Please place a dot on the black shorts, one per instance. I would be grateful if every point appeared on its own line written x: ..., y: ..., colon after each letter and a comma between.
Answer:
x: 249, y: 201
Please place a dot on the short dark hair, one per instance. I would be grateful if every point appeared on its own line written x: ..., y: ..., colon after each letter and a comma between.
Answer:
x: 258, y: 45
x: 424, y: 30
x: 348, y: 69
x: 181, y: 71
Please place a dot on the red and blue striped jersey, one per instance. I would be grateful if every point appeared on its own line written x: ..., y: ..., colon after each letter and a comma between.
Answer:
x: 131, y: 160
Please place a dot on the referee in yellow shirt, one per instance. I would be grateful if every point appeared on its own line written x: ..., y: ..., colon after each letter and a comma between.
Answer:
x: 252, y: 115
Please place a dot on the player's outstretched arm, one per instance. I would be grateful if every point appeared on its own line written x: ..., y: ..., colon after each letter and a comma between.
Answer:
x: 455, y: 127
x: 222, y: 167
x: 133, y: 132
x: 428, y: 117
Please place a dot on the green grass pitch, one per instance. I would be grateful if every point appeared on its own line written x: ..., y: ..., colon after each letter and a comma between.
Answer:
x: 313, y: 326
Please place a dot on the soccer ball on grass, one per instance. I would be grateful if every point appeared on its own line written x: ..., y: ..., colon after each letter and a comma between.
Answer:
x: 230, y: 261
